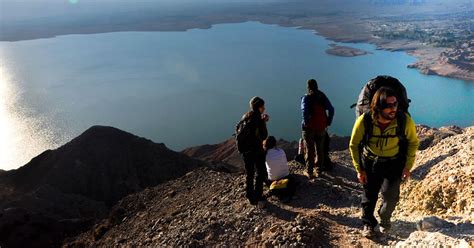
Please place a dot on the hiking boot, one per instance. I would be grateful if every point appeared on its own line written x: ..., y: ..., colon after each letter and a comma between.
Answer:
x: 251, y: 199
x: 327, y: 167
x: 286, y: 199
x: 385, y: 227
x: 262, y: 204
x: 368, y: 231
x: 309, y: 175
x: 253, y: 202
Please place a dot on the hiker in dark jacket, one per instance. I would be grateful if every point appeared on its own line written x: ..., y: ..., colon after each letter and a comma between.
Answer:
x: 318, y: 113
x: 254, y: 157
x: 383, y: 147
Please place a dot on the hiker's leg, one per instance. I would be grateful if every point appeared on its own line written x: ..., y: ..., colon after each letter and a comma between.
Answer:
x: 327, y: 160
x: 327, y: 141
x: 391, y: 189
x: 320, y: 140
x: 309, y: 151
x: 261, y: 175
x: 390, y: 195
x: 370, y: 194
x: 249, y: 162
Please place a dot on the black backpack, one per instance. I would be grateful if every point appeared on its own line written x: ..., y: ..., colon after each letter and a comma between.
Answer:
x: 243, y: 135
x: 368, y: 92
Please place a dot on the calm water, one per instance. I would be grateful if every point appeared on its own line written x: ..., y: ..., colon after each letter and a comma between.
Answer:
x: 189, y: 88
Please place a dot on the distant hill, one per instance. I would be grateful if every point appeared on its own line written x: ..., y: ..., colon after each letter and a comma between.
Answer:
x: 80, y: 181
x: 398, y: 2
x: 226, y: 154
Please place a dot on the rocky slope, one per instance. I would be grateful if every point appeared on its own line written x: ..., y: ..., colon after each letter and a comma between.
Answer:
x: 63, y: 191
x: 188, y: 212
x: 442, y: 180
x: 207, y: 207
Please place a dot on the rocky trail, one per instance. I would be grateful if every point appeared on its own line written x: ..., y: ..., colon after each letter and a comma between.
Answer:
x: 206, y: 207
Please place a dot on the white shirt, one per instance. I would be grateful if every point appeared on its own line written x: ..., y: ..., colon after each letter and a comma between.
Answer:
x: 277, y: 164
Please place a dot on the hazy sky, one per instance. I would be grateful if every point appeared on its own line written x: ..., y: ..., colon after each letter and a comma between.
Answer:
x: 15, y: 10
x: 28, y: 9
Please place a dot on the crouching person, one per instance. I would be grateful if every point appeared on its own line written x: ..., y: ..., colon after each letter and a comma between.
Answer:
x: 281, y: 183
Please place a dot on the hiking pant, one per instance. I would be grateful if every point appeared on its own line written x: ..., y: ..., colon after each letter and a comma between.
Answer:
x: 327, y: 160
x: 383, y: 176
x: 255, y: 162
x: 314, y: 141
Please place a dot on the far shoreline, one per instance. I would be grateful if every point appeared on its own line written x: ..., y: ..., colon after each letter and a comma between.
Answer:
x: 427, y: 62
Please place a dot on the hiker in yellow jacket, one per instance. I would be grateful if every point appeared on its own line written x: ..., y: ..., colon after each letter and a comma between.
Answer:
x: 383, y: 147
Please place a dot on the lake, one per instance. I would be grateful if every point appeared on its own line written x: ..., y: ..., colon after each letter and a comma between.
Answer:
x: 190, y: 88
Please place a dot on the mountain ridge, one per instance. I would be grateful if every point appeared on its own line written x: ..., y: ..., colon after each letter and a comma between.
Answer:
x: 82, y: 180
x: 155, y: 196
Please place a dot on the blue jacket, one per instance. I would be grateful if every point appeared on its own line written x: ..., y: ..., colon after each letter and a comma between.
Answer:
x: 307, y: 103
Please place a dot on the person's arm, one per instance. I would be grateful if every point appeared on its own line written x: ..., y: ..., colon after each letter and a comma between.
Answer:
x: 413, y: 142
x: 263, y: 130
x: 356, y: 137
x: 305, y: 110
x: 261, y: 127
x: 328, y: 106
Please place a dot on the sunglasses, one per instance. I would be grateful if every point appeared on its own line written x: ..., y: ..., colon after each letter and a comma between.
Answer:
x: 389, y: 105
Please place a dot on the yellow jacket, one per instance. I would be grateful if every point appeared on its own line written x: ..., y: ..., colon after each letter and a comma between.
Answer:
x: 384, y: 147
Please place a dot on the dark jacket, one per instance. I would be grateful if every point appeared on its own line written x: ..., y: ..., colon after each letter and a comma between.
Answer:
x: 259, y: 128
x: 310, y: 105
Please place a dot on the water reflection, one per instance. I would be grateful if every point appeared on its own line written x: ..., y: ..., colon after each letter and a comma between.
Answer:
x: 19, y: 139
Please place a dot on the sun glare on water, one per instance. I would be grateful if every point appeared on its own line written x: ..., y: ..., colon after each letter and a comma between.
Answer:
x: 19, y: 141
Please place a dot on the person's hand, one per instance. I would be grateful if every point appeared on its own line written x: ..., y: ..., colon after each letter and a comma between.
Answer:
x: 406, y: 174
x: 362, y: 176
x: 265, y: 117
x: 304, y: 126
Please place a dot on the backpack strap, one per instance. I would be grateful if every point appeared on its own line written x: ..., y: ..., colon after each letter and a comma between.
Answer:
x: 368, y: 127
x: 368, y: 132
x: 402, y: 138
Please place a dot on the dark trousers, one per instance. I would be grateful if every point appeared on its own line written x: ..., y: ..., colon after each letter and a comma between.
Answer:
x: 314, y: 142
x: 327, y: 160
x: 255, y: 162
x: 383, y: 177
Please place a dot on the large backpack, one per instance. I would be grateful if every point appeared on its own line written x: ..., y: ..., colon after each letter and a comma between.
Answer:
x: 368, y: 91
x: 319, y: 118
x: 363, y: 106
x: 243, y: 135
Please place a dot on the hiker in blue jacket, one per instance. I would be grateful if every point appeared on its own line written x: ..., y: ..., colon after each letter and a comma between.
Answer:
x: 317, y: 113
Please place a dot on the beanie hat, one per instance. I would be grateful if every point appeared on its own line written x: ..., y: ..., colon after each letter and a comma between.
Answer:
x: 312, y: 85
x: 256, y: 102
